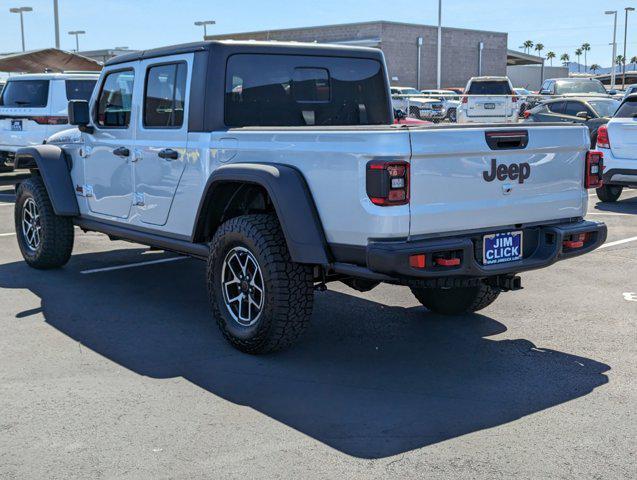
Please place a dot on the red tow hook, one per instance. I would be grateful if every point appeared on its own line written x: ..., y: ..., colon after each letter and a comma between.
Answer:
x: 447, y: 262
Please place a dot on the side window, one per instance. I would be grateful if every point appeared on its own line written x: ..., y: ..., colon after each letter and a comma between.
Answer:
x: 552, y: 87
x: 79, y: 89
x: 556, y: 107
x: 114, y: 103
x: 165, y: 95
x: 573, y: 108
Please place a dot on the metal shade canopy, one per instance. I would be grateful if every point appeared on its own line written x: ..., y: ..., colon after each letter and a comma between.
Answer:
x: 47, y: 60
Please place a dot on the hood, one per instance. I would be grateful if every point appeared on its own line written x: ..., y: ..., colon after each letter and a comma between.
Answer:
x: 70, y: 135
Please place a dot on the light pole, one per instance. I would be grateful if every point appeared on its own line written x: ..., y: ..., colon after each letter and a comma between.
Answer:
x: 77, y: 34
x: 439, y: 73
x: 628, y: 9
x: 614, y: 44
x: 56, y: 21
x: 21, y: 10
x: 204, y: 24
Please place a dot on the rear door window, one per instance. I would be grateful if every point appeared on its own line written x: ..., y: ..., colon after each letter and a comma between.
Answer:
x: 556, y: 107
x: 573, y: 108
x: 495, y: 87
x: 25, y: 94
x: 291, y: 90
x: 114, y: 103
x: 164, y: 95
x: 79, y: 89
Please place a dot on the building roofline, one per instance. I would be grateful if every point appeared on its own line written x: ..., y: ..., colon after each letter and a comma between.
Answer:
x: 354, y: 24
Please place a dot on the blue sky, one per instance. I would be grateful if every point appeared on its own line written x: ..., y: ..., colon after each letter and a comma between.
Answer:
x: 561, y: 25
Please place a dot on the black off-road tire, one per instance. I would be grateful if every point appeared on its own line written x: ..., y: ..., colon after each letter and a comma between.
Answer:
x: 609, y: 193
x: 289, y: 286
x: 56, y: 234
x: 456, y: 300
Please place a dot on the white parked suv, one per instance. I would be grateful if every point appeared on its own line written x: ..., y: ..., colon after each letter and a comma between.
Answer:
x: 617, y: 140
x: 450, y: 100
x: 33, y: 107
x: 489, y: 100
x: 417, y: 105
x: 279, y: 165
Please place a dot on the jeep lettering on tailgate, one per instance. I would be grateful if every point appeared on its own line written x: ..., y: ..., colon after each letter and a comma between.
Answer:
x: 515, y: 171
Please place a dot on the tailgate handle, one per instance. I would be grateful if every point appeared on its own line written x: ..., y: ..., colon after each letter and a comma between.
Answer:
x: 507, y: 140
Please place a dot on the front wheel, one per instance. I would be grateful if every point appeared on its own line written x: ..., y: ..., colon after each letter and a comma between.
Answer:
x: 261, y: 299
x: 45, y: 239
x: 609, y: 193
x: 453, y: 116
x: 456, y: 300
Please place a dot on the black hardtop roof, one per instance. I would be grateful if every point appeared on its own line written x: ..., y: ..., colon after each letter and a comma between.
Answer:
x: 248, y: 46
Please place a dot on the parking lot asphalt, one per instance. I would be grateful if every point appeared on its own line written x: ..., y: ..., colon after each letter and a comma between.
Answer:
x: 121, y: 373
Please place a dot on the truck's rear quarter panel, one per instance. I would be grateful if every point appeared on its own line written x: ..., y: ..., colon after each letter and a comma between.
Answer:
x: 450, y: 194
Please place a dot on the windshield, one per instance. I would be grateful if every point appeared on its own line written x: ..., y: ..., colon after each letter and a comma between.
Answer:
x: 492, y: 87
x: 25, y: 93
x: 522, y: 91
x: 579, y: 86
x: 605, y: 108
x: 409, y: 91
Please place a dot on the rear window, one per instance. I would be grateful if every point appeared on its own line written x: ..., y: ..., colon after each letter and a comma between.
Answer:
x: 579, y: 86
x: 79, y: 89
x: 25, y: 94
x: 628, y: 109
x: 491, y: 87
x: 290, y: 90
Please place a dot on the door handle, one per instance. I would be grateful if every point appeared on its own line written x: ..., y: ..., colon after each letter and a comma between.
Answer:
x: 121, y: 152
x: 168, y: 154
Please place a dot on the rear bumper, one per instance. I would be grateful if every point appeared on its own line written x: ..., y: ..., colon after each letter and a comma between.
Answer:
x: 544, y: 246
x: 625, y: 177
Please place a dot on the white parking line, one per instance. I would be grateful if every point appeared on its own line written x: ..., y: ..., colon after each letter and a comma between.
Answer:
x: 618, y: 242
x: 132, y: 265
x: 7, y: 234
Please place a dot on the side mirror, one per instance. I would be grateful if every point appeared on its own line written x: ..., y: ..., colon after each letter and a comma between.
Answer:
x: 399, y: 114
x: 583, y: 115
x: 79, y: 115
x: 612, y: 92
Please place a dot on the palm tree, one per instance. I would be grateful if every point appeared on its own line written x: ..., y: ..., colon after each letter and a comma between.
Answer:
x: 528, y: 45
x: 594, y: 68
x: 586, y: 47
x: 539, y: 47
x: 565, y: 59
x: 620, y: 60
x: 578, y: 52
x: 633, y: 60
x: 550, y: 56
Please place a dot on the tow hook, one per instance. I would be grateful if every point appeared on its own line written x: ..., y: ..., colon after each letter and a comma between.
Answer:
x: 506, y: 283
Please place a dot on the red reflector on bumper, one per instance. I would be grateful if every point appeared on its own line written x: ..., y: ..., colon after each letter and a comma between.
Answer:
x: 572, y: 244
x: 417, y: 261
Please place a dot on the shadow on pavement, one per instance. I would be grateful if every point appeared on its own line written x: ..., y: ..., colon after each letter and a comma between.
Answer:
x: 626, y: 205
x: 368, y: 380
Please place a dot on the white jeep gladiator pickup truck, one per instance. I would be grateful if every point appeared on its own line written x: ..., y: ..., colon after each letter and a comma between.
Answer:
x: 279, y: 165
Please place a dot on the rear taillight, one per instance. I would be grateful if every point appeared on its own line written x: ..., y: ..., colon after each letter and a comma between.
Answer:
x: 603, y: 141
x: 514, y: 99
x: 465, y: 99
x: 388, y: 183
x: 594, y: 169
x: 50, y: 120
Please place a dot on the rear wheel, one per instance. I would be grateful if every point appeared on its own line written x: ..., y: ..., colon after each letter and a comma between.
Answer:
x: 609, y: 193
x: 261, y: 299
x: 453, y: 116
x: 414, y: 112
x: 45, y: 239
x: 456, y: 300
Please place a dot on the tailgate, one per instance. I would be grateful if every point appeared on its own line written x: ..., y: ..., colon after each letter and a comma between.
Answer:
x: 487, y: 106
x: 17, y: 127
x: 459, y: 183
x: 623, y: 137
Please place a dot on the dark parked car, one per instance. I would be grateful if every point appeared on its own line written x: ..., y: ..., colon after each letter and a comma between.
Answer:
x: 577, y: 87
x: 592, y: 112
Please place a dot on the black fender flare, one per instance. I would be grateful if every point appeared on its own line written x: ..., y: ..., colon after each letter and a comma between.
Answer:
x: 54, y: 169
x: 292, y: 202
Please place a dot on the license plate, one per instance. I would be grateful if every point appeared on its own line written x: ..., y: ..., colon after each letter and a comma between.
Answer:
x: 502, y: 248
x: 489, y: 106
x: 16, y: 125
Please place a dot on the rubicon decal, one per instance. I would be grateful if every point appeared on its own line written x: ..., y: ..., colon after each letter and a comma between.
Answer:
x: 515, y: 171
